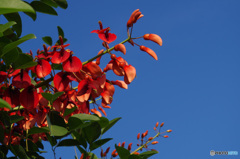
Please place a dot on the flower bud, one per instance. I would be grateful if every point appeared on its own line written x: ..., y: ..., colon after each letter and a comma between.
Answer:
x: 162, y: 124
x: 154, y: 142
x: 149, y: 51
x: 165, y: 136
x: 153, y: 37
x: 169, y: 131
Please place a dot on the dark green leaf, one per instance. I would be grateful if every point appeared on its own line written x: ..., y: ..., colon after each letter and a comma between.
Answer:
x: 15, y: 118
x: 32, y: 146
x: 24, y: 61
x: 99, y: 143
x: 111, y: 123
x: 1, y: 133
x: 4, y: 27
x: 81, y: 150
x: 122, y: 152
x: 14, y: 44
x: 60, y: 31
x: 11, y: 56
x: 39, y: 144
x: 78, y: 136
x: 50, y: 3
x: 68, y: 142
x: 15, y: 17
x: 148, y: 154
x: 51, y: 139
x: 56, y: 95
x: 55, y: 119
x: 19, y: 151
x: 47, y: 96
x: 4, y: 104
x: 47, y: 40
x: 43, y: 8
x: 11, y: 6
x: 103, y: 122
x: 57, y: 66
x: 134, y: 157
x: 69, y: 111
x: 62, y: 3
x: 92, y: 132
x: 36, y: 130
x: 31, y: 15
x: 4, y: 117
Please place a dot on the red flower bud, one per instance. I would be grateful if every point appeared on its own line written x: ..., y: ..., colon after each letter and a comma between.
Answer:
x: 120, y: 47
x: 165, y: 136
x: 169, y: 131
x: 153, y: 37
x: 162, y: 124
x: 134, y: 17
x: 154, y: 142
x: 149, y: 51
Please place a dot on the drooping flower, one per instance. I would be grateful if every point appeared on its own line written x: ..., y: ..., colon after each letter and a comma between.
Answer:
x: 105, y: 35
x: 72, y: 64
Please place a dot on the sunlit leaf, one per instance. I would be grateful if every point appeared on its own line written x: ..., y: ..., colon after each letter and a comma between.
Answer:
x: 11, y: 6
x: 4, y: 27
x: 35, y: 130
x: 4, y: 104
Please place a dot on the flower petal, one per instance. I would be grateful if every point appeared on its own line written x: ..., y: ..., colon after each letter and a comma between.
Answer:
x: 149, y: 51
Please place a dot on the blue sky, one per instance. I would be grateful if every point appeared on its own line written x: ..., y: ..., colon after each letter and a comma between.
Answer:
x: 193, y: 87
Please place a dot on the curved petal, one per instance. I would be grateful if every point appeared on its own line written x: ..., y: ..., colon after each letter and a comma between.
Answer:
x: 29, y: 98
x: 130, y: 74
x: 73, y: 64
x: 149, y: 51
x: 43, y: 68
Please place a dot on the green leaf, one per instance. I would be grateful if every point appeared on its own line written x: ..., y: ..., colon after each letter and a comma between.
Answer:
x: 4, y: 104
x: 43, y: 8
x: 50, y: 3
x: 103, y: 122
x: 36, y: 130
x: 11, y: 6
x: 69, y: 111
x: 57, y: 66
x: 92, y: 155
x: 32, y: 146
x: 98, y: 143
x: 47, y: 40
x: 134, y: 157
x: 56, y: 95
x: 51, y: 139
x: 86, y: 117
x: 4, y: 118
x: 15, y: 17
x: 1, y: 133
x: 60, y: 31
x: 4, y: 27
x: 11, y: 56
x: 24, y: 61
x: 55, y: 119
x: 19, y: 151
x: 122, y: 152
x: 92, y: 132
x: 79, y: 137
x: 111, y: 123
x: 56, y: 130
x: 47, y: 96
x: 68, y: 142
x: 147, y: 154
x: 15, y: 118
x: 62, y: 3
x: 14, y: 44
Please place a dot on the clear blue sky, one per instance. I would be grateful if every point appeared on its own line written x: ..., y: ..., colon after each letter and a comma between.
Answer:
x: 194, y: 87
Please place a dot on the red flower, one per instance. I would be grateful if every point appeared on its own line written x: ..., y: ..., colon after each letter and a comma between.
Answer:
x: 105, y: 35
x: 72, y: 64
x: 61, y: 81
x: 29, y: 97
x: 21, y: 80
x: 43, y: 68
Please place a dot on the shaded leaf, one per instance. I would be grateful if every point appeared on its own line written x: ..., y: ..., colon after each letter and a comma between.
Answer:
x: 15, y: 118
x: 24, y: 61
x: 1, y: 133
x: 47, y: 40
x: 55, y: 119
x: 14, y: 44
x: 69, y: 111
x: 99, y: 143
x: 56, y: 95
x: 111, y: 123
x: 134, y: 157
x: 11, y: 6
x: 4, y: 27
x: 19, y: 151
x: 43, y: 8
x: 60, y: 31
x: 78, y: 136
x: 4, y: 104
x: 62, y: 3
x: 103, y: 122
x: 51, y: 139
x: 50, y: 3
x: 36, y: 130
x: 57, y: 66
x: 92, y: 132
x: 32, y: 146
x: 15, y: 17
x: 122, y: 152
x: 11, y: 56
x: 68, y: 142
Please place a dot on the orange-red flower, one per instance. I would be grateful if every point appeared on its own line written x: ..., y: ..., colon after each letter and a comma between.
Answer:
x: 105, y: 35
x: 134, y: 17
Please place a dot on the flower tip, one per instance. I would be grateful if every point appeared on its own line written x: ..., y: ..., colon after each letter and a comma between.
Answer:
x: 169, y: 131
x: 165, y: 136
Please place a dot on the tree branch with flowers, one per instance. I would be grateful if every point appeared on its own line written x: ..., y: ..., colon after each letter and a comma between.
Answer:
x: 51, y: 94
